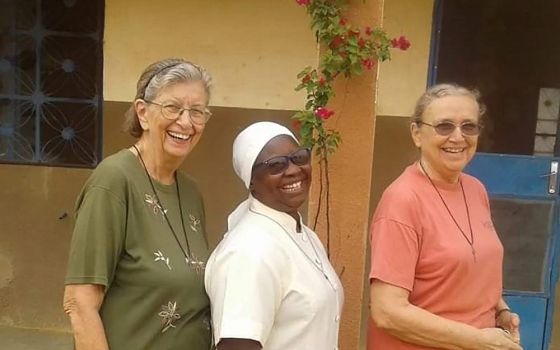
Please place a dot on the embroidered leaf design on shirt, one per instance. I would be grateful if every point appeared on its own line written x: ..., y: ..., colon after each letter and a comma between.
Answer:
x: 194, y: 222
x: 154, y: 204
x: 160, y: 257
x: 168, y: 315
x: 197, y: 265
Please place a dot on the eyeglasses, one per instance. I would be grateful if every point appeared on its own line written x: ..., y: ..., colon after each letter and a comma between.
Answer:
x: 446, y: 128
x: 173, y: 112
x: 277, y: 165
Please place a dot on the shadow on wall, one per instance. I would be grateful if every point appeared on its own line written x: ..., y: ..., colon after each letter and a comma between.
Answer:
x: 393, y: 151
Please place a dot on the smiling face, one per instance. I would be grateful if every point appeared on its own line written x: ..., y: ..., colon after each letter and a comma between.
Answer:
x: 172, y: 139
x: 286, y: 191
x: 445, y: 157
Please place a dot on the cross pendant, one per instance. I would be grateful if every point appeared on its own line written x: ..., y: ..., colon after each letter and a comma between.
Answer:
x: 473, y: 253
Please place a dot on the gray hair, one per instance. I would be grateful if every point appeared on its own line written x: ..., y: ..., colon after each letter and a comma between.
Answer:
x: 442, y: 90
x: 158, y: 76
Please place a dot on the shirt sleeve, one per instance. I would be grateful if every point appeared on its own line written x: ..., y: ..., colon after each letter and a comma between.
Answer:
x: 98, y: 238
x: 394, y: 252
x: 245, y: 291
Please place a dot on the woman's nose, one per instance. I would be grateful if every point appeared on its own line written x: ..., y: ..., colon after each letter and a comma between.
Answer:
x: 185, y: 119
x: 292, y: 168
x: 457, y: 134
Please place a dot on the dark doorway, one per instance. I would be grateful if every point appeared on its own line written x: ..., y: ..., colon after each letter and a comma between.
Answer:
x: 509, y: 50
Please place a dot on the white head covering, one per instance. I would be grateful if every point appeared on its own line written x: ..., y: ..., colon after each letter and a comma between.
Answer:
x: 250, y: 142
x: 246, y: 148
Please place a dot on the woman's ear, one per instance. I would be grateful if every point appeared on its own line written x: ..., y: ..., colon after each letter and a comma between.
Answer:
x: 141, y: 113
x: 415, y: 133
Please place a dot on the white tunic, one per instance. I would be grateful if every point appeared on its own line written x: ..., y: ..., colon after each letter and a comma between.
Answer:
x: 271, y: 284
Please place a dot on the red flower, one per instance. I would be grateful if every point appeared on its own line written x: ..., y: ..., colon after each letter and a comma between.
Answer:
x: 322, y: 81
x: 296, y: 126
x: 336, y: 42
x: 368, y: 63
x: 401, y: 43
x: 323, y: 113
x: 361, y: 43
x: 303, y: 2
x: 342, y: 22
x: 306, y: 79
x: 368, y: 31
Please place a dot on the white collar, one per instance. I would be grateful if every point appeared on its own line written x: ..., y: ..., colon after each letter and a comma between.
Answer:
x: 284, y: 219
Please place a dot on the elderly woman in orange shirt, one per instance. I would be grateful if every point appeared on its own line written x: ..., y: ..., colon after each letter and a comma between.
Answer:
x: 436, y: 274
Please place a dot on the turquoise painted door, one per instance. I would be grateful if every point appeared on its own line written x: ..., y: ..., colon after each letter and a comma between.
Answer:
x: 524, y: 200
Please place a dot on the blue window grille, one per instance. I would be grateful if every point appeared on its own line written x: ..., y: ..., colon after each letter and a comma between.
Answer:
x: 51, y: 82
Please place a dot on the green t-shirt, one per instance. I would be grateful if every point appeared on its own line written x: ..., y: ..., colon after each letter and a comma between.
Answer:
x: 154, y: 298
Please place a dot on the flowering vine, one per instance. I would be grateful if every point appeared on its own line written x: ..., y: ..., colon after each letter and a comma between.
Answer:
x: 348, y: 51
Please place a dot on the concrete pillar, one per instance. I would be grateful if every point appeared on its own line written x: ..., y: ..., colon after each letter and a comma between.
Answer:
x: 350, y: 170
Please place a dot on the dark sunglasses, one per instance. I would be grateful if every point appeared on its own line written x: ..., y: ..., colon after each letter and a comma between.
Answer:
x: 277, y: 165
x: 447, y: 128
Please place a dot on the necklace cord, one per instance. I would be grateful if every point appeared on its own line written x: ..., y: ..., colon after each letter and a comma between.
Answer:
x: 471, y: 241
x: 319, y: 265
x: 187, y: 253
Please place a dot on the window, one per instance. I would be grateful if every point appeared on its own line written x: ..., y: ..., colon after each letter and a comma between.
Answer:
x: 51, y: 81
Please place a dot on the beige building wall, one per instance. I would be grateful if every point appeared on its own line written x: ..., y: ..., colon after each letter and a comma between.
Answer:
x: 253, y: 48
x: 405, y: 78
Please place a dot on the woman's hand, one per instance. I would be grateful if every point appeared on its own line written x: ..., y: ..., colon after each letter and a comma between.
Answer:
x: 497, y: 339
x: 510, y: 321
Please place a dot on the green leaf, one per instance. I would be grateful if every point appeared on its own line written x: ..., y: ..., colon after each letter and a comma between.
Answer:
x: 345, y: 60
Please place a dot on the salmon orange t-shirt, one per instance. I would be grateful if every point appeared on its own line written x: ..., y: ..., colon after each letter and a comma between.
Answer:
x: 416, y: 245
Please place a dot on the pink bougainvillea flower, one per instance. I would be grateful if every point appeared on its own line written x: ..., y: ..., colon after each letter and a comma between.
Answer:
x: 368, y: 31
x: 368, y: 63
x: 306, y: 79
x: 296, y: 126
x: 404, y: 43
x: 342, y: 22
x: 336, y: 42
x: 322, y: 81
x: 303, y: 2
x: 400, y: 43
x: 323, y: 113
x: 353, y: 32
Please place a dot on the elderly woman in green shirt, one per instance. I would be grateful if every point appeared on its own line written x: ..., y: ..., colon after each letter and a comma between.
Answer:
x: 136, y: 265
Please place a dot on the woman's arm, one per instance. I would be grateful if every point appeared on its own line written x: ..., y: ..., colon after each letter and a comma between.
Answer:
x: 508, y: 319
x: 238, y: 344
x: 81, y: 304
x: 392, y: 312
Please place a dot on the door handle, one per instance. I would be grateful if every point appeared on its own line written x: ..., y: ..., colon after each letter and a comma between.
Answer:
x: 552, y: 177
